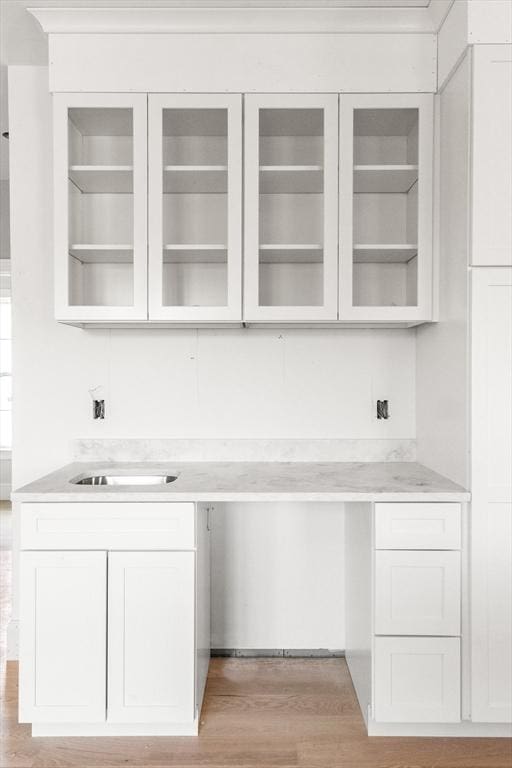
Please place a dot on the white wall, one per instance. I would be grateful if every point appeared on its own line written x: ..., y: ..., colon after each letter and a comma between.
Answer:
x: 239, y: 383
x: 442, y: 349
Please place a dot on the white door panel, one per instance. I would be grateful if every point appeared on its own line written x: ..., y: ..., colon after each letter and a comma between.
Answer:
x: 491, y: 500
x: 63, y: 637
x: 151, y: 642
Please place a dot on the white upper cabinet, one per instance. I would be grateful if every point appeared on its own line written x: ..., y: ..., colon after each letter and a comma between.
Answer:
x: 386, y: 157
x: 491, y: 188
x: 291, y: 161
x: 148, y: 208
x: 100, y: 168
x: 195, y: 199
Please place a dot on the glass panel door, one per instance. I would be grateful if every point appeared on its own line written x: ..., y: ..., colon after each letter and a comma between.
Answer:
x: 100, y: 183
x: 195, y: 207
x: 386, y: 205
x: 290, y: 214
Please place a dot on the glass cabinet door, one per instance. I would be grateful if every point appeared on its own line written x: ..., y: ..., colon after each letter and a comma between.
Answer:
x: 100, y: 165
x: 195, y: 193
x: 291, y: 161
x: 386, y: 208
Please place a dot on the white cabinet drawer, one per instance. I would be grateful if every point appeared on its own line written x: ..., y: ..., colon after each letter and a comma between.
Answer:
x: 422, y: 525
x: 108, y: 525
x: 417, y: 593
x: 417, y: 679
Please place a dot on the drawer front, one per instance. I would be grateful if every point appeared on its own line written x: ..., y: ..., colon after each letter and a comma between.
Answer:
x: 417, y: 680
x: 108, y: 525
x: 417, y: 593
x: 418, y: 525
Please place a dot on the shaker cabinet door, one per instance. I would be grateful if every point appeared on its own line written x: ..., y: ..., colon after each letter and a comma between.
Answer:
x: 491, y: 188
x: 195, y: 207
x: 491, y: 495
x: 100, y: 211
x: 385, y: 238
x: 291, y: 190
x: 63, y: 637
x: 151, y: 640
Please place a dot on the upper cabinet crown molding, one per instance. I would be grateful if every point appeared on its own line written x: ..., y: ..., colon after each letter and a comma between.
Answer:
x: 330, y: 16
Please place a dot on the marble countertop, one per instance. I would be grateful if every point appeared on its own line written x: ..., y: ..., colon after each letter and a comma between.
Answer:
x: 251, y: 481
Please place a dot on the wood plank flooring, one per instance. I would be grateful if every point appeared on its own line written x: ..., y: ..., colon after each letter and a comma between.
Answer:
x: 258, y: 713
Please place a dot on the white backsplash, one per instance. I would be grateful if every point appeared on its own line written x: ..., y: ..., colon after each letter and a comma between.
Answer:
x: 112, y: 449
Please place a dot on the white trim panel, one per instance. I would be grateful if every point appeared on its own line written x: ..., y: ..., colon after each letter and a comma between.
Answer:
x: 226, y: 63
x: 203, y: 18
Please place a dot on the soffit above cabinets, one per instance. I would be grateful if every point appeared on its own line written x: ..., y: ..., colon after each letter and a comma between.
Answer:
x: 255, y: 16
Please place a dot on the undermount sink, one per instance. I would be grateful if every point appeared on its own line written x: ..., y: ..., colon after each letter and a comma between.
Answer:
x: 125, y: 480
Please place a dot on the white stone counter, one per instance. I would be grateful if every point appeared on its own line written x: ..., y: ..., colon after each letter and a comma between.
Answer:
x: 251, y: 481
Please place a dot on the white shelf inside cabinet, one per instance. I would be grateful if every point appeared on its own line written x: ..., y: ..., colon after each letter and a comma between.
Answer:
x: 195, y: 178
x: 102, y: 178
x: 100, y: 254
x: 290, y: 253
x: 384, y: 178
x: 176, y: 253
x: 278, y: 179
x: 384, y: 253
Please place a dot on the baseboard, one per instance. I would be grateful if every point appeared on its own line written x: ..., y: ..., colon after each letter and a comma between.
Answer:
x: 287, y: 653
x: 13, y: 631
x: 465, y: 729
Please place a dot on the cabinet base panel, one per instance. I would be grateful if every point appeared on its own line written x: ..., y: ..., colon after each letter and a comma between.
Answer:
x: 116, y: 729
x: 465, y: 729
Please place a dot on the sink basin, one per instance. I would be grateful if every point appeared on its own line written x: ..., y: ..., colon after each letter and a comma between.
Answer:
x: 125, y: 480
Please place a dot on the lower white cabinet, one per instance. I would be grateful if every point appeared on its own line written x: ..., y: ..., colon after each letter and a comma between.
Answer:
x: 151, y: 636
x: 63, y: 637
x: 417, y: 679
x: 491, y: 495
x: 404, y: 624
x: 115, y: 639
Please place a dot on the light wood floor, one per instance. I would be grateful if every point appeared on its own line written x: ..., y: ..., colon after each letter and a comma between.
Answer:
x: 265, y: 713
